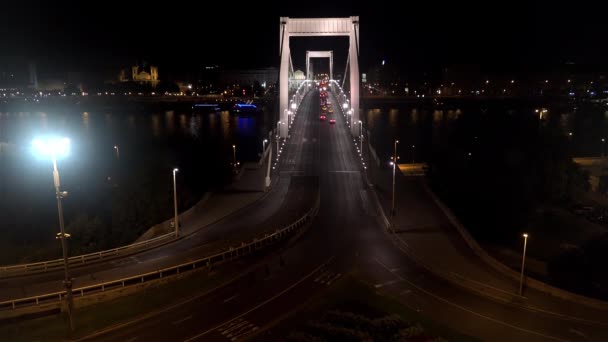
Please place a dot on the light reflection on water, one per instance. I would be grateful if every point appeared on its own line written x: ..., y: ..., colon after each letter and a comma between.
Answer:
x: 156, y: 130
x: 183, y: 123
x: 195, y: 125
x: 170, y: 121
x: 225, y: 124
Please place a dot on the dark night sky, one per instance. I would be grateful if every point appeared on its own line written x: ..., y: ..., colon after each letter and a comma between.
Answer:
x: 109, y: 34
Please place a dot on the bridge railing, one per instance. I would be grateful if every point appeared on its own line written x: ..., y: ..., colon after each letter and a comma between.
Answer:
x: 50, y: 265
x: 231, y: 253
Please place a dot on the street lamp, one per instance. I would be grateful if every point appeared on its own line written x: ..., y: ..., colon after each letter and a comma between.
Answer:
x: 117, y: 152
x: 58, y: 147
x: 523, y: 263
x: 175, y: 216
x: 413, y: 153
x: 264, y: 145
x: 394, y: 167
x: 603, y: 143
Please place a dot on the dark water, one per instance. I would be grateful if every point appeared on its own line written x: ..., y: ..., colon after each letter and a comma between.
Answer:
x: 426, y: 126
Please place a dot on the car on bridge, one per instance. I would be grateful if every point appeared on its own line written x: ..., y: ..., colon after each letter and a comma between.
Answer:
x: 322, y: 117
x: 332, y: 121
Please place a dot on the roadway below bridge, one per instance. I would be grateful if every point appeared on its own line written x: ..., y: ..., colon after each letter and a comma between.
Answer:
x: 347, y: 234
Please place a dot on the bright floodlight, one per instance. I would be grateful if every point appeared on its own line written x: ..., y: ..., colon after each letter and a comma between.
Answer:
x: 265, y: 140
x: 525, y: 235
x: 175, y: 170
x: 345, y: 105
x: 51, y: 147
x: 294, y: 106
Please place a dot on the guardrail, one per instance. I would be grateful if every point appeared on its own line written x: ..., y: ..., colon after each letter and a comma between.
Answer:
x: 56, y: 264
x: 230, y: 254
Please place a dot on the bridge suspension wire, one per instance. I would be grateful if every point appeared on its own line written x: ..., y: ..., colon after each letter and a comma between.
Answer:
x: 345, y: 70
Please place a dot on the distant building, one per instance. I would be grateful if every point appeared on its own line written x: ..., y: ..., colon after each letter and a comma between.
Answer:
x: 299, y: 75
x: 265, y: 76
x: 143, y: 74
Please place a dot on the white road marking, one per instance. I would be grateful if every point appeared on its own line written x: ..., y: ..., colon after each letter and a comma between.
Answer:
x: 231, y: 298
x: 333, y: 279
x: 390, y: 282
x: 146, y: 260
x: 468, y: 310
x: 237, y: 326
x: 244, y: 333
x: 262, y: 303
x: 181, y: 320
x: 231, y: 324
x: 577, y: 332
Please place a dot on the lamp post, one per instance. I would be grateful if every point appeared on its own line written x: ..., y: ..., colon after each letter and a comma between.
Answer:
x: 56, y: 147
x: 413, y: 154
x: 394, y: 167
x: 117, y: 152
x: 264, y: 145
x: 523, y: 264
x: 603, y: 143
x: 278, y: 138
x: 361, y: 134
x: 175, y: 216
x: 234, y: 157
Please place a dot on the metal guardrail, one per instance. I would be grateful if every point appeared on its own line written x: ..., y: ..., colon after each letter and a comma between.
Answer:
x: 44, y: 266
x: 227, y: 255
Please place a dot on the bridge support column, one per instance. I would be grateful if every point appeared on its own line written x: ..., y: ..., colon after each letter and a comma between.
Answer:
x: 353, y: 54
x: 284, y: 77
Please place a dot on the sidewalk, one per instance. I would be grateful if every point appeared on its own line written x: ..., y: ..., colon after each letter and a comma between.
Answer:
x: 424, y: 230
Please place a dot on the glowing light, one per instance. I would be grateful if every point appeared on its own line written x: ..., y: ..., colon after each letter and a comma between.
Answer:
x: 51, y: 147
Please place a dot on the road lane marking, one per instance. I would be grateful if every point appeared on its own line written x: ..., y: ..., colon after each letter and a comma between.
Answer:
x: 181, y: 320
x: 469, y: 310
x: 227, y: 326
x: 147, y: 260
x: 577, y: 332
x: 240, y: 329
x: 235, y: 327
x: 264, y: 302
x: 248, y: 332
x: 131, y: 339
x: 231, y: 298
x: 390, y: 282
x: 333, y: 279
